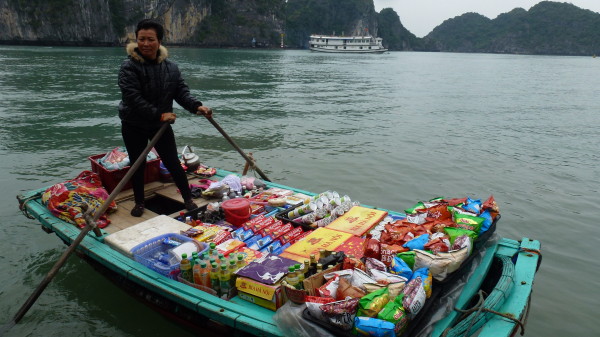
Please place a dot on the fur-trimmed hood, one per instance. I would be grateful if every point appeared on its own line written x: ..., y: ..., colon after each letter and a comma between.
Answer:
x: 132, y: 51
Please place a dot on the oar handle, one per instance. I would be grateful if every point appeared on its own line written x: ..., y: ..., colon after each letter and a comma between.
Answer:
x: 248, y: 159
x: 91, y: 225
x: 128, y: 176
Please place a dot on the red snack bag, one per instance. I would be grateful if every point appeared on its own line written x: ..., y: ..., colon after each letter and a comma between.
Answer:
x: 490, y: 204
x: 389, y: 251
x: 392, y: 238
x: 455, y: 201
x: 317, y: 299
x: 372, y: 248
x: 437, y: 245
x: 439, y: 212
x: 329, y: 289
x: 438, y: 226
x: 353, y: 263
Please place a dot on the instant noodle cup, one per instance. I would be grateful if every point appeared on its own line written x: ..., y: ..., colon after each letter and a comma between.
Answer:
x: 371, y: 304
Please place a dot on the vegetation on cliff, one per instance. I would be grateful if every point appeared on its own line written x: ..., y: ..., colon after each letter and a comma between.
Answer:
x: 549, y: 28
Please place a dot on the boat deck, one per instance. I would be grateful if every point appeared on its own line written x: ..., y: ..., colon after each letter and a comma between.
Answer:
x: 121, y: 219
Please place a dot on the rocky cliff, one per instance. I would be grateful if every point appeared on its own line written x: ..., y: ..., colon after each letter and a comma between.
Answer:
x: 112, y: 22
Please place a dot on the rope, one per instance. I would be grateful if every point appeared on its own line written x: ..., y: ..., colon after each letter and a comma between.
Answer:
x: 23, y: 209
x: 533, y: 251
x: 473, y: 319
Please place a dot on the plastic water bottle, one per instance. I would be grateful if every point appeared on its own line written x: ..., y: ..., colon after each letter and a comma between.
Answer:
x: 186, y: 269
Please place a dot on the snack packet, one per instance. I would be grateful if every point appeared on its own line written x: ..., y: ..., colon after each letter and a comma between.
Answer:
x: 399, y: 267
x: 341, y: 313
x: 371, y: 304
x: 417, y: 243
x: 374, y: 327
x: 346, y: 289
x: 414, y: 296
x: 394, y: 312
x: 394, y: 289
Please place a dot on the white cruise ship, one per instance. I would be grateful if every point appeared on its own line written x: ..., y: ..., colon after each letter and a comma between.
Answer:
x: 346, y: 44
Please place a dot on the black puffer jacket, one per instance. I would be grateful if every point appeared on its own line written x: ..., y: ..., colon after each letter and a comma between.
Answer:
x: 148, y: 89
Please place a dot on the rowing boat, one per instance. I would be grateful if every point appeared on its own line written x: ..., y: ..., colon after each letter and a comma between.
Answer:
x: 201, y: 310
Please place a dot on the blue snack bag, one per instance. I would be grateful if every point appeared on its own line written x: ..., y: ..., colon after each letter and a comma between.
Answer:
x: 426, y: 278
x: 367, y: 326
x: 473, y: 205
x: 399, y: 267
x: 417, y: 243
x: 487, y: 223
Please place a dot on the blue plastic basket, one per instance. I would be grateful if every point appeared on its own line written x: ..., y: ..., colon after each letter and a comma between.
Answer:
x: 154, y: 253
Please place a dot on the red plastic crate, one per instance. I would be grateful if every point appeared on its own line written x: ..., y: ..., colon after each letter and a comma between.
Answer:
x: 110, y: 179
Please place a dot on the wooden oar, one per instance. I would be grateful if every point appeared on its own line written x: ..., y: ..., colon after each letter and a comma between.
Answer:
x: 91, y: 225
x: 248, y: 159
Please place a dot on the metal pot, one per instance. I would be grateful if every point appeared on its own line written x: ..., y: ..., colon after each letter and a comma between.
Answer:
x: 190, y: 159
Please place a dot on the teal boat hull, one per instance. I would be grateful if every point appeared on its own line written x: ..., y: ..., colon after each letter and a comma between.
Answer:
x: 238, y: 316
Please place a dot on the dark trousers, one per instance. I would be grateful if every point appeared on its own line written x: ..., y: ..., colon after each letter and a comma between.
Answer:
x: 136, y: 140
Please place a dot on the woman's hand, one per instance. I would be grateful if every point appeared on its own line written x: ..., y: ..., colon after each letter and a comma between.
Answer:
x: 169, y: 117
x: 204, y: 111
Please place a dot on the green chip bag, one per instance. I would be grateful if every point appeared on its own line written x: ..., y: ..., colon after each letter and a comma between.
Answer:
x: 470, y: 222
x: 454, y: 232
x: 408, y: 257
x: 414, y: 209
x: 371, y: 304
x: 394, y: 312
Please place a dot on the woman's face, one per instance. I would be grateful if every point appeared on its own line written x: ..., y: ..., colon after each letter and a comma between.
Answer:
x: 148, y: 43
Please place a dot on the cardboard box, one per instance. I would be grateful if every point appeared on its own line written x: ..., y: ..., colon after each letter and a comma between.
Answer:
x: 358, y: 220
x: 321, y: 238
x: 267, y: 296
x: 315, y: 281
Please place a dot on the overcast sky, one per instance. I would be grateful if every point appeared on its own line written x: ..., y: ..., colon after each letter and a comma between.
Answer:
x: 420, y: 17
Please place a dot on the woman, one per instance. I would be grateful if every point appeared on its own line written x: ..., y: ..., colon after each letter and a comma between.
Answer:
x: 149, y: 83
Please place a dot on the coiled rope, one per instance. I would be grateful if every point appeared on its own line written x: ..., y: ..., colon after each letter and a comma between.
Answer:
x: 473, y: 319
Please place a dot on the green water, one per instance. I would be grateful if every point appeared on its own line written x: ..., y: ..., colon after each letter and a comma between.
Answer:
x: 388, y: 130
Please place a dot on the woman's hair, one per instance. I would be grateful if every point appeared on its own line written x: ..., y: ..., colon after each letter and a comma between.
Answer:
x: 151, y: 24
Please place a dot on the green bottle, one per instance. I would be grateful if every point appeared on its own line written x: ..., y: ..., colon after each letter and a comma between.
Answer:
x: 225, y: 279
x: 214, y: 279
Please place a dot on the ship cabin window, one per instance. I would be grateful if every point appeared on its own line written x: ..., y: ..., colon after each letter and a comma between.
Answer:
x: 360, y: 47
x: 369, y: 47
